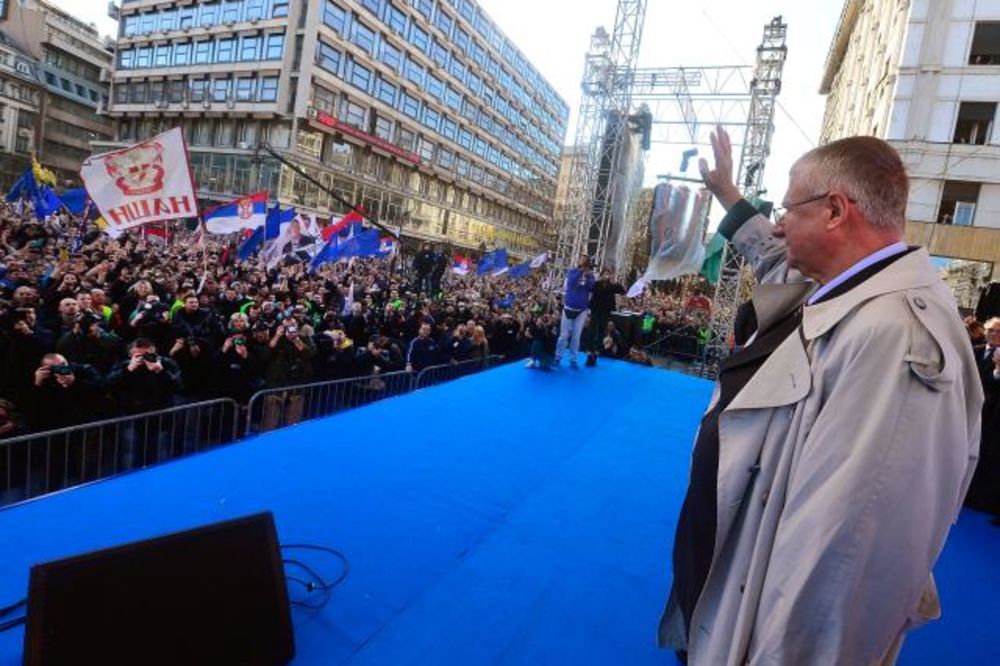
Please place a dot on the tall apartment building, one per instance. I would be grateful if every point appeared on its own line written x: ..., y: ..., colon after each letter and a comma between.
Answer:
x: 925, y: 76
x: 74, y: 68
x: 420, y: 110
x: 20, y: 101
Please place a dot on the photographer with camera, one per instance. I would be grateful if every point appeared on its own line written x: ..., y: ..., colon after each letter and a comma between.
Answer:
x: 150, y: 320
x: 289, y: 362
x: 63, y: 393
x: 24, y: 343
x: 89, y: 344
x: 240, y: 364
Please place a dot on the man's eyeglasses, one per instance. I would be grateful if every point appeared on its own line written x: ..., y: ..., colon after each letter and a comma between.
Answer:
x: 778, y: 212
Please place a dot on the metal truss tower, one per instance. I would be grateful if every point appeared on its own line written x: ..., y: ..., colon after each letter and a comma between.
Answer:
x: 736, y: 280
x: 600, y: 135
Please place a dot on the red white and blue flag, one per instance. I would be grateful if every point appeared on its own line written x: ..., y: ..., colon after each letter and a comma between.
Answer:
x: 342, y: 226
x: 460, y: 265
x: 248, y: 212
x: 387, y: 245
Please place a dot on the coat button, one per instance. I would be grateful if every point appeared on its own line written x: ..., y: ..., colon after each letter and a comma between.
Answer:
x: 919, y: 302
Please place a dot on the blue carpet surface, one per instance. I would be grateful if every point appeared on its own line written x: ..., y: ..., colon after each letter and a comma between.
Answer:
x: 512, y: 517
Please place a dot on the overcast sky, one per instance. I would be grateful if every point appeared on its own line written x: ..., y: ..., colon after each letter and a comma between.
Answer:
x: 555, y: 34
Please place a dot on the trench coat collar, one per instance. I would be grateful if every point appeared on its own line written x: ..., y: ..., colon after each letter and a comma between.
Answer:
x: 910, y: 271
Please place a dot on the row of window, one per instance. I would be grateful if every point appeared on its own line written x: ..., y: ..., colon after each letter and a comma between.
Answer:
x: 246, y: 48
x: 206, y: 15
x: 222, y: 89
x: 364, y: 79
x: 361, y: 76
x: 430, y: 151
x: 354, y: 29
x: 67, y: 86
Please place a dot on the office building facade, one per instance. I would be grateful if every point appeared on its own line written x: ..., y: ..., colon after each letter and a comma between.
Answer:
x: 20, y: 100
x: 422, y: 111
x: 925, y: 76
x: 74, y: 68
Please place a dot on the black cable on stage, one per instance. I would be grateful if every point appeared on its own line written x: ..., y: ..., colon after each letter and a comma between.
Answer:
x: 7, y: 609
x: 316, y: 581
x: 10, y: 624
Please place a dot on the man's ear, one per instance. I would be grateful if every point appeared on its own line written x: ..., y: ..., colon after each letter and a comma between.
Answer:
x: 840, y: 208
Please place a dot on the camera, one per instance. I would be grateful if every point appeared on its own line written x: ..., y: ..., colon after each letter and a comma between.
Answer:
x: 61, y: 369
x: 150, y: 357
x: 291, y: 330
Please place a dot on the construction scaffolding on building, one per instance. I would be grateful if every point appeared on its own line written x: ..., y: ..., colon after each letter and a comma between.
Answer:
x: 685, y: 104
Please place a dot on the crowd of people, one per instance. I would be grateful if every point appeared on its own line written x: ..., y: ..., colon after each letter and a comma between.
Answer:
x: 93, y: 327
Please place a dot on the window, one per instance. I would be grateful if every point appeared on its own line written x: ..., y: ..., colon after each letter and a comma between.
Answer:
x: 475, y: 84
x: 364, y: 37
x: 426, y: 150
x: 209, y: 14
x: 406, y: 138
x: 325, y: 100
x: 126, y: 58
x: 457, y: 69
x: 374, y: 6
x: 985, y: 44
x: 478, y: 55
x: 168, y: 20
x: 202, y: 52
x: 480, y: 147
x: 275, y: 46
x: 143, y: 57
x: 383, y: 128
x: 82, y: 92
x: 465, y: 138
x: 975, y: 122
x: 185, y: 17
x: 335, y: 17
x: 446, y: 158
x: 462, y: 166
x: 175, y: 91
x: 198, y: 89
x: 120, y: 93
x: 147, y: 23
x: 182, y: 53
x: 448, y: 128
x: 220, y: 90
x: 329, y: 58
x: 130, y: 25
x: 137, y: 92
x: 462, y: 39
x: 414, y: 72
x: 250, y: 46
x: 395, y: 19
x: 409, y: 105
x: 391, y: 56
x: 386, y: 92
x: 453, y: 98
x: 244, y: 89
x: 255, y: 9
x: 431, y: 118
x: 958, y: 202
x: 361, y: 77
x: 435, y: 87
x: 231, y: 11
x: 418, y: 37
x: 424, y: 7
x: 156, y: 91
x: 225, y: 50
x: 444, y: 22
x: 439, y: 54
x: 353, y: 114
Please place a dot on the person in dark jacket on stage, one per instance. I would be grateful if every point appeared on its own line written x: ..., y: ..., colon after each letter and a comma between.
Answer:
x: 579, y: 285
x: 602, y: 304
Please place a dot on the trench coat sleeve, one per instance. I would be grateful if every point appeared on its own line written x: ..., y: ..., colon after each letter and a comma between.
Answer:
x: 875, y: 485
x: 754, y: 240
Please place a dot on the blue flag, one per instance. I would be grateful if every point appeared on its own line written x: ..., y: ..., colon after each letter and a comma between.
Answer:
x: 42, y: 198
x: 520, y: 270
x: 364, y: 244
x: 492, y: 262
x: 75, y: 200
x: 25, y: 185
x: 271, y: 230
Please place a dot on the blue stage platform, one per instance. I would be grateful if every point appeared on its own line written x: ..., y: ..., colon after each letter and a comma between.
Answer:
x: 512, y: 517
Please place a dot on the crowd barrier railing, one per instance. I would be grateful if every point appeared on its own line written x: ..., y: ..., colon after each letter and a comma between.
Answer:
x: 44, y: 462
x: 438, y: 374
x: 282, y: 406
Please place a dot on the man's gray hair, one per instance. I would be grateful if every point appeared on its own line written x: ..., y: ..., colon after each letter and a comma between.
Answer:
x: 866, y: 169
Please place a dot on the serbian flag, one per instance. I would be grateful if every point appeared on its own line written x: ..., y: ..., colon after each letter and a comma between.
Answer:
x: 247, y: 212
x: 460, y: 265
x: 387, y: 245
x: 337, y: 226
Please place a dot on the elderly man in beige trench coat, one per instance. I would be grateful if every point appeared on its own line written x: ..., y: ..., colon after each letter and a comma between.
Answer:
x: 840, y: 440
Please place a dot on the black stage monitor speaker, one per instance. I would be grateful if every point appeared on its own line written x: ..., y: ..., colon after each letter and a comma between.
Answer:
x: 212, y: 595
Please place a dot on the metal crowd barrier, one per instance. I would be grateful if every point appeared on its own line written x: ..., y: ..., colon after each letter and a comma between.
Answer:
x: 287, y: 405
x: 438, y: 374
x: 40, y: 463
